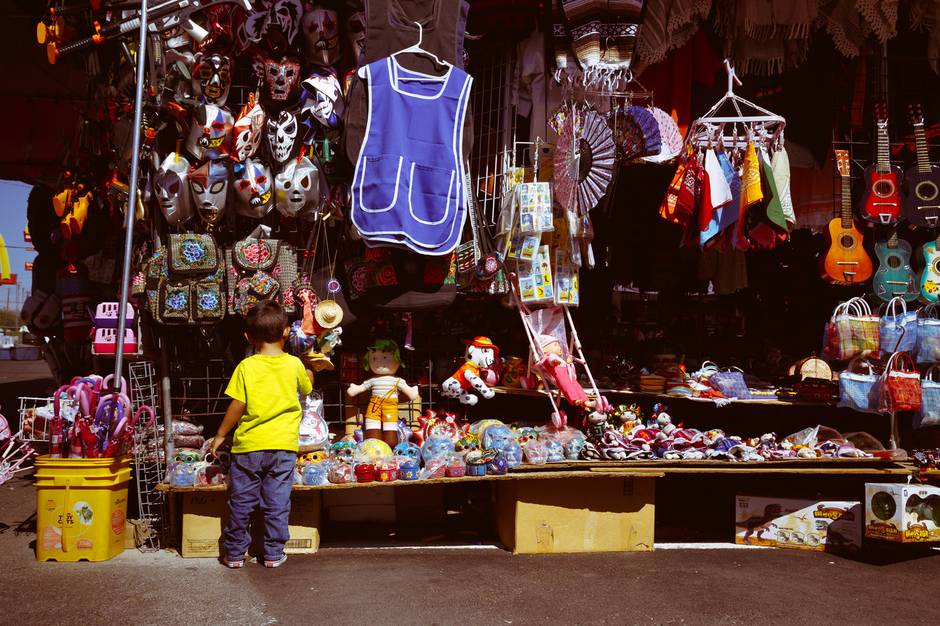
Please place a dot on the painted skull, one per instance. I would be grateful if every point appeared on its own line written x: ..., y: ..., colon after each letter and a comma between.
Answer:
x: 253, y: 188
x: 249, y: 128
x: 282, y: 136
x: 171, y: 187
x: 320, y: 31
x: 555, y: 451
x: 512, y: 452
x: 296, y: 186
x: 210, y: 133
x: 573, y: 448
x: 212, y: 77
x: 280, y: 77
x: 497, y: 437
x: 356, y: 29
x: 209, y: 183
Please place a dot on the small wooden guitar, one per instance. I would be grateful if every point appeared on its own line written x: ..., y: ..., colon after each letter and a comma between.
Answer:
x: 930, y: 277
x: 922, y: 181
x: 894, y: 276
x: 882, y: 201
x: 846, y: 262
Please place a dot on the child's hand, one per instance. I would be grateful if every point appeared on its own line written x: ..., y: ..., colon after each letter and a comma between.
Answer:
x: 217, y: 442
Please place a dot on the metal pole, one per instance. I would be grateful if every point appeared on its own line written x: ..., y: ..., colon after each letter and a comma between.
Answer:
x: 131, y: 209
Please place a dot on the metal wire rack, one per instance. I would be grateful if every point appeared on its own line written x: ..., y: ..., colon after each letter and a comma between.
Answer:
x: 149, y: 458
x: 34, y: 416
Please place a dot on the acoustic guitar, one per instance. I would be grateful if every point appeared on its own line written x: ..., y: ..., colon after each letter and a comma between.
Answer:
x: 930, y: 277
x: 882, y: 201
x: 894, y: 276
x: 921, y: 189
x: 846, y: 262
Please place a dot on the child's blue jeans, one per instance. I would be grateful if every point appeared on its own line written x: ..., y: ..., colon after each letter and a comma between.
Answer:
x: 262, y: 478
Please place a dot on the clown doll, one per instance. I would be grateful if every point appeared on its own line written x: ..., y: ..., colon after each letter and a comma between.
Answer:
x: 381, y: 420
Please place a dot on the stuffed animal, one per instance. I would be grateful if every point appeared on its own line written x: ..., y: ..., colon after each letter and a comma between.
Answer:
x: 481, y: 354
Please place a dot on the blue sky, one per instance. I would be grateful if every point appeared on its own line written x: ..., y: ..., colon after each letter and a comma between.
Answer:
x: 13, y: 195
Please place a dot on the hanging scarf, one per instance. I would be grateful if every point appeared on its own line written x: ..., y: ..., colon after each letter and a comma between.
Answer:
x: 667, y: 25
x: 780, y: 163
x: 766, y: 37
x: 882, y: 17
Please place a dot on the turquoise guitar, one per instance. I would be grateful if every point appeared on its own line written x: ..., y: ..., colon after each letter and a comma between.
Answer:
x: 930, y: 277
x: 894, y: 276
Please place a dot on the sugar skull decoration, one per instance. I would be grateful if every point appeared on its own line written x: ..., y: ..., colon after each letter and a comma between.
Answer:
x: 497, y: 437
x: 321, y: 100
x: 171, y: 187
x: 253, y: 188
x: 280, y: 78
x: 437, y: 448
x: 296, y: 186
x: 512, y: 452
x: 249, y: 129
x: 320, y: 32
x: 212, y: 77
x: 481, y: 354
x: 573, y: 448
x: 281, y: 134
x: 210, y: 133
x: 209, y: 184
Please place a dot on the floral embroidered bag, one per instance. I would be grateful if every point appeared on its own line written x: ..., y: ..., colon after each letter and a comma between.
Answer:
x: 184, y: 281
x: 260, y: 269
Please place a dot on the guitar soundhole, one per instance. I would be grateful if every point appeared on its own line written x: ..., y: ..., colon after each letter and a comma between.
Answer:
x: 894, y: 262
x: 883, y: 188
x: 926, y: 190
x: 936, y: 265
x: 847, y: 241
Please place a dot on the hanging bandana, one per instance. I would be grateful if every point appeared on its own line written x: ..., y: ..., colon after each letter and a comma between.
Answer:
x: 209, y: 184
x: 249, y: 128
x: 210, y: 132
x: 297, y: 186
x: 280, y: 77
x: 171, y: 187
x: 253, y: 188
x: 320, y: 31
x: 212, y: 77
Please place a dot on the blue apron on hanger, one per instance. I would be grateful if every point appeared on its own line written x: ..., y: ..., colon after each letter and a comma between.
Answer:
x: 408, y: 185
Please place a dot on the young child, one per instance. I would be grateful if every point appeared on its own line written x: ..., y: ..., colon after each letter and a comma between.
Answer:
x: 265, y: 412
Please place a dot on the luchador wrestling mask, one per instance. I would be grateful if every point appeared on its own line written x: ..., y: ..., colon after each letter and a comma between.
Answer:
x: 209, y: 183
x: 296, y: 186
x: 171, y: 186
x: 356, y: 30
x: 275, y: 22
x: 320, y: 31
x: 282, y: 136
x: 212, y: 77
x: 210, y: 132
x: 249, y: 128
x: 321, y: 99
x: 280, y: 77
x: 253, y: 188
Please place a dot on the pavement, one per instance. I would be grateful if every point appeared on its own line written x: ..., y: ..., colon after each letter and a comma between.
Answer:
x: 480, y: 585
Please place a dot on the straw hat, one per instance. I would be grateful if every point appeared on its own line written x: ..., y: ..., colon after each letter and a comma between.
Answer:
x: 318, y: 362
x: 328, y: 314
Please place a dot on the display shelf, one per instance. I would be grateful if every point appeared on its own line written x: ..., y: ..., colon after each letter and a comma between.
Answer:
x: 549, y: 475
x: 511, y: 391
x: 707, y: 463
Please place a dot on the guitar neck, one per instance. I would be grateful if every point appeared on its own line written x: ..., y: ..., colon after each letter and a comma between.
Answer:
x: 846, y: 202
x: 884, y: 148
x: 920, y: 141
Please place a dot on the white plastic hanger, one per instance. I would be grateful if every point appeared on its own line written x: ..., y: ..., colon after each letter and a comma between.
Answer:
x: 760, y: 121
x: 416, y: 49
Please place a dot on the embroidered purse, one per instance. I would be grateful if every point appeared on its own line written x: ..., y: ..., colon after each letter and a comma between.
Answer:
x: 184, y: 281
x: 260, y: 269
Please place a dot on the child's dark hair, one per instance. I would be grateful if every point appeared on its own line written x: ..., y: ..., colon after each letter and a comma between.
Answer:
x: 266, y: 322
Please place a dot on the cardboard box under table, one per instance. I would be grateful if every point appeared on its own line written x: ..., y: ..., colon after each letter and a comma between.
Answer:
x: 902, y: 512
x: 205, y: 513
x: 580, y: 512
x: 825, y: 525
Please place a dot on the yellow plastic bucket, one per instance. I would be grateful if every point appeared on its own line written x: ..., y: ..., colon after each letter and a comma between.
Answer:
x: 81, y: 507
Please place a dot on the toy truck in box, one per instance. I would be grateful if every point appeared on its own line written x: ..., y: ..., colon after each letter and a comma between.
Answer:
x: 901, y: 512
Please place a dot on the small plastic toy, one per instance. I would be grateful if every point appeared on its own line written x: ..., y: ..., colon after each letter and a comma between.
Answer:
x: 481, y: 354
x: 554, y: 451
x: 408, y: 469
x: 512, y: 452
x: 371, y: 450
x: 456, y: 468
x: 365, y: 473
x: 314, y: 474
x: 535, y: 452
x: 410, y: 450
x: 437, y: 448
x: 498, y: 466
x: 497, y: 437
x: 573, y: 448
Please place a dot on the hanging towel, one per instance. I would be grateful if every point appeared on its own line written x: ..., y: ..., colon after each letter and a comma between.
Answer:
x: 781, y: 167
x: 717, y: 196
x: 729, y: 215
x: 771, y: 195
x: 751, y: 194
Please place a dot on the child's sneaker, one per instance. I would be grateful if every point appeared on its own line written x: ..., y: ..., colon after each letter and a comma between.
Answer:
x: 233, y: 564
x: 277, y: 562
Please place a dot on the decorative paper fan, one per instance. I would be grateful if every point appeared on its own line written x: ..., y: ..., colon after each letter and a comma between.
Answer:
x: 670, y: 136
x: 585, y: 153
x: 647, y: 122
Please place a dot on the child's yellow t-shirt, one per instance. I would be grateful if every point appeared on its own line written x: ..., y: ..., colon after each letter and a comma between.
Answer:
x: 268, y: 386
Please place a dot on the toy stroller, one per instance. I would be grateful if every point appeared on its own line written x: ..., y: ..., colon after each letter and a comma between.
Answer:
x: 555, y: 357
x: 14, y: 453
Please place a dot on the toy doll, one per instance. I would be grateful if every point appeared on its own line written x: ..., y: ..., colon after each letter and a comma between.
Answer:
x: 481, y: 354
x: 560, y: 370
x: 381, y: 420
